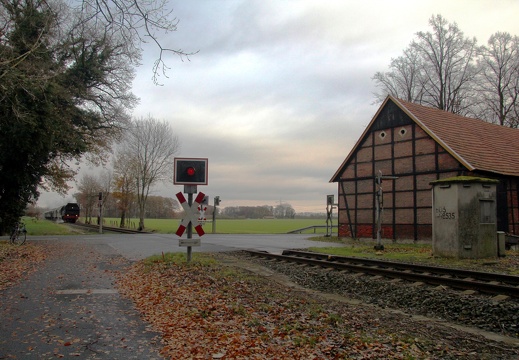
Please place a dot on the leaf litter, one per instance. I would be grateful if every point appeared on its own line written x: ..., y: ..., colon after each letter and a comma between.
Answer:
x: 213, y: 311
x: 16, y: 262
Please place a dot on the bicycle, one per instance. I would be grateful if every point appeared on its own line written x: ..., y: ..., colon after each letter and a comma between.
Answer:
x: 19, y: 234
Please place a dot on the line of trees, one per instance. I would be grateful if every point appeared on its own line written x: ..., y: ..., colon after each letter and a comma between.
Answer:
x: 446, y: 70
x: 281, y: 211
x: 157, y: 207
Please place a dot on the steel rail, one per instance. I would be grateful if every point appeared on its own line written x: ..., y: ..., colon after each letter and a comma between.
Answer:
x: 461, y: 273
x: 409, y: 275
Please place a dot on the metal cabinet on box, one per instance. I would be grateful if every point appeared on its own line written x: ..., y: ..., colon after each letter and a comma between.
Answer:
x: 464, y: 217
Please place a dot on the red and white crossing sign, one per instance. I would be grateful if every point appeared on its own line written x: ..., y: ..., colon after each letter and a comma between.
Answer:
x: 201, y: 214
x: 192, y: 214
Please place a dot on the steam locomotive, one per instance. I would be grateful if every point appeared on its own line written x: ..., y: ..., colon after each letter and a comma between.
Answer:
x: 67, y: 213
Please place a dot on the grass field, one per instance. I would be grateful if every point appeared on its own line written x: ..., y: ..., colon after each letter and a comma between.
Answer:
x: 44, y: 227
x: 232, y: 226
x: 170, y: 226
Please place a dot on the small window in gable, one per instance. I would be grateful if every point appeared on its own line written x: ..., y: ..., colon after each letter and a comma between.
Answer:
x: 402, y: 132
x: 382, y: 135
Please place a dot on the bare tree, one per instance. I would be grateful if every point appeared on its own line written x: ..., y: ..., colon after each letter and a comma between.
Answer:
x: 436, y: 70
x: 87, y: 196
x: 447, y: 66
x: 124, y: 184
x: 498, y: 82
x: 137, y: 22
x: 403, y: 79
x: 150, y: 146
x: 159, y: 207
x: 284, y: 211
x: 106, y: 181
x: 134, y: 22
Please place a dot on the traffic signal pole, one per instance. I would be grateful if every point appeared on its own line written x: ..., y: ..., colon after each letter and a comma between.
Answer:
x: 190, y: 225
x: 100, y: 213
x: 191, y: 172
x: 215, y: 204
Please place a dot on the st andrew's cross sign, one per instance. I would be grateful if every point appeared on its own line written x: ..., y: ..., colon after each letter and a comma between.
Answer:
x: 191, y: 214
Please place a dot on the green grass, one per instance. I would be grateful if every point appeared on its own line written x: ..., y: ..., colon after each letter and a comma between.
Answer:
x: 365, y: 249
x: 169, y: 259
x: 170, y: 226
x: 231, y: 226
x: 44, y: 227
x: 417, y: 253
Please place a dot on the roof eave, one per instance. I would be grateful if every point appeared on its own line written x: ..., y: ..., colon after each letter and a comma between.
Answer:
x: 336, y: 176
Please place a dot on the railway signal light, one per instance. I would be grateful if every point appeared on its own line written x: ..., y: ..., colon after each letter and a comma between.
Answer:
x: 190, y: 171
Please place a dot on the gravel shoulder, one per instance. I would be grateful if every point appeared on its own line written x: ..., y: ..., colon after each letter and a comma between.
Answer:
x: 310, y: 280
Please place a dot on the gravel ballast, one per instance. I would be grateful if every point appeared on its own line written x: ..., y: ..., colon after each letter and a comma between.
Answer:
x: 472, y: 310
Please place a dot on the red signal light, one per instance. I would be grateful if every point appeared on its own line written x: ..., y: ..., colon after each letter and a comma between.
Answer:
x: 190, y: 171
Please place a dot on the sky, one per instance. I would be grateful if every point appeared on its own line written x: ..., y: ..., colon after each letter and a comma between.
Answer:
x: 279, y: 91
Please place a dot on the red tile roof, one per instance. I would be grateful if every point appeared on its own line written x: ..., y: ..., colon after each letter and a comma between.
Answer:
x: 476, y: 144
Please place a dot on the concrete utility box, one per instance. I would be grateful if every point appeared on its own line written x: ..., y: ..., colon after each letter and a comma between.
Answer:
x: 464, y: 223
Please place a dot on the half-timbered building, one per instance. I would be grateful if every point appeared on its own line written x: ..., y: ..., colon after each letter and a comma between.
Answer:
x: 408, y: 146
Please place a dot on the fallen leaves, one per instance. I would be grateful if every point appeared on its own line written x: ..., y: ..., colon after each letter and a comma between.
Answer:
x: 18, y: 261
x: 209, y: 311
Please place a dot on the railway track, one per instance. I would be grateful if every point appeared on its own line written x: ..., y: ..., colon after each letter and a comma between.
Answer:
x: 108, y: 228
x: 483, y: 282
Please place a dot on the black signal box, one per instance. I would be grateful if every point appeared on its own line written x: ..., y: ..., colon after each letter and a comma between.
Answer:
x: 190, y: 171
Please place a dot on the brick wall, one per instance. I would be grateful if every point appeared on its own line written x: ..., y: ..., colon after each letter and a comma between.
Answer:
x: 404, y: 151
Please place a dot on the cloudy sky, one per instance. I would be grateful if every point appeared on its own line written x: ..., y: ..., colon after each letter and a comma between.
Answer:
x: 280, y: 91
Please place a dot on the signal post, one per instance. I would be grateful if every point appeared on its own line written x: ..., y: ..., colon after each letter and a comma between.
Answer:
x: 190, y: 172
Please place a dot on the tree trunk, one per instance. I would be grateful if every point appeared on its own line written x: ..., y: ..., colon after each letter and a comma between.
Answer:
x: 123, y: 219
x: 141, y: 217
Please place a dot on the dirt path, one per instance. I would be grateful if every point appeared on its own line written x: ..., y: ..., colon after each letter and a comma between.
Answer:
x: 70, y: 308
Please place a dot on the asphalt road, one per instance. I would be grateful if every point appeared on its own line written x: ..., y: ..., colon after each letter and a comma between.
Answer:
x: 139, y: 246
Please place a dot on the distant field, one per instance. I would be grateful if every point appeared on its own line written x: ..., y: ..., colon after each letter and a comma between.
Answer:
x: 170, y: 226
x: 227, y: 226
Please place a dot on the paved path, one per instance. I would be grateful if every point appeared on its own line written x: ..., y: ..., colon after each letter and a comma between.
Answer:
x: 70, y: 309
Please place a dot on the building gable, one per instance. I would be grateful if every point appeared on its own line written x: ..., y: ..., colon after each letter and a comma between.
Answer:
x: 392, y: 129
x: 475, y: 144
x: 389, y: 116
